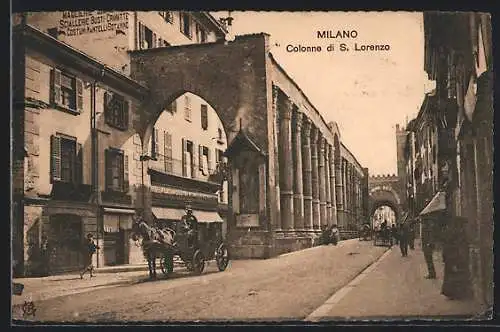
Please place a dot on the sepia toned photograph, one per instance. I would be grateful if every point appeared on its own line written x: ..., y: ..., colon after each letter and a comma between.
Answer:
x: 227, y: 167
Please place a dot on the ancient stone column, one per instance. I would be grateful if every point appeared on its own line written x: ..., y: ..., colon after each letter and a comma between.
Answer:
x: 333, y: 196
x: 315, y: 177
x: 339, y: 190
x: 298, y: 202
x: 286, y: 164
x: 327, y: 185
x: 307, y: 174
x: 277, y: 210
x: 322, y: 182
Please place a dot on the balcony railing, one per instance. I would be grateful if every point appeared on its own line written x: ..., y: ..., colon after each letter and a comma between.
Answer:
x: 215, y: 173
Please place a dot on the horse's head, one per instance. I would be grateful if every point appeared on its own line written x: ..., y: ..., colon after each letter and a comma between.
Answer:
x: 137, y: 230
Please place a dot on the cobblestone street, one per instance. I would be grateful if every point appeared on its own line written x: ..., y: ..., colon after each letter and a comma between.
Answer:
x: 287, y: 287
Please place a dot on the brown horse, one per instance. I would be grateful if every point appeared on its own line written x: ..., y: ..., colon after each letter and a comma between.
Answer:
x: 155, y: 241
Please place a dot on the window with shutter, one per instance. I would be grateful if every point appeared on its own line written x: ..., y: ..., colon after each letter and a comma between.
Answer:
x: 55, y: 164
x: 185, y: 23
x: 125, y: 174
x: 204, y: 117
x: 192, y: 156
x: 200, y: 158
x: 117, y: 170
x: 116, y: 110
x: 187, y: 108
x: 79, y: 95
x: 66, y: 159
x: 209, y: 163
x: 55, y: 95
x: 168, y: 162
x: 66, y: 91
x: 79, y: 164
x: 184, y: 159
x: 154, y: 140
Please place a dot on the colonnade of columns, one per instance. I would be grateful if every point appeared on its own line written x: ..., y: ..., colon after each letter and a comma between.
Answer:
x: 316, y: 185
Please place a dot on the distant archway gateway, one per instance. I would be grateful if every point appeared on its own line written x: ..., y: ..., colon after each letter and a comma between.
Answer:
x: 280, y: 150
x: 385, y: 190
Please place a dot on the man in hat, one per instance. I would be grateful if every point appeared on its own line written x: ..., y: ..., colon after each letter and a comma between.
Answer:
x: 189, y: 224
x: 90, y: 249
x: 428, y: 246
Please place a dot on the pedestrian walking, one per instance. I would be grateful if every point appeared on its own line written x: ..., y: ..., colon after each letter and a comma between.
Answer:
x: 411, y: 234
x: 89, y: 251
x: 428, y: 246
x: 394, y: 234
x: 403, y: 238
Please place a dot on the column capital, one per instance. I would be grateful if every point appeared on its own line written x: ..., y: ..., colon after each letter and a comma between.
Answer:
x: 298, y: 120
x: 314, y: 134
x: 306, y: 126
x: 321, y: 142
x: 287, y: 108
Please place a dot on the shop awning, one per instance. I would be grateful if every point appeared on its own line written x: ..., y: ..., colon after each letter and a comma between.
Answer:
x: 438, y: 203
x: 168, y: 213
x: 207, y: 216
x: 119, y: 211
x: 177, y: 214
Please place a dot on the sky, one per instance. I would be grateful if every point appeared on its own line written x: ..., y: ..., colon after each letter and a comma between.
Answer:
x: 366, y: 93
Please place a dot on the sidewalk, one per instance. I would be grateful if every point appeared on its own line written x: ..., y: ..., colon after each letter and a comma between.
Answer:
x: 396, y: 288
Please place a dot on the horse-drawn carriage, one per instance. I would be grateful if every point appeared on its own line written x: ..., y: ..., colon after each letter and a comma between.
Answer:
x: 382, y: 237
x: 365, y: 233
x: 193, y: 247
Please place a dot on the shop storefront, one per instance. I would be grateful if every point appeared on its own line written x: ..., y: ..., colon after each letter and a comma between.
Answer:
x: 118, y: 248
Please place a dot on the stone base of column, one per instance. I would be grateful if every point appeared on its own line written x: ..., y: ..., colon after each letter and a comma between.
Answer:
x: 316, y: 214
x: 298, y: 215
x: 289, y: 241
x: 322, y: 211
x: 244, y: 244
x: 286, y: 210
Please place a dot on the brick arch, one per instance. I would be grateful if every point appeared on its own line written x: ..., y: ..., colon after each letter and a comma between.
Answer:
x: 385, y: 196
x: 231, y: 77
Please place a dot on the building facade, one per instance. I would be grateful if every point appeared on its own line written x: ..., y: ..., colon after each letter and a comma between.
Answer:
x: 455, y: 125
x: 85, y: 129
x: 58, y: 93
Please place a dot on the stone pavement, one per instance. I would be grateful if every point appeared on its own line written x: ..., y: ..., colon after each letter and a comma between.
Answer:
x: 395, y: 287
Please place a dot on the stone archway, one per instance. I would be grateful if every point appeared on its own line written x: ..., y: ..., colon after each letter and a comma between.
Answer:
x: 233, y: 79
x: 385, y: 197
x: 230, y: 77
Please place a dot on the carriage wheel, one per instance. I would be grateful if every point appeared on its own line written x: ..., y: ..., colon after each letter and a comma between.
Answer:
x: 198, y: 262
x: 222, y: 257
x: 167, y: 264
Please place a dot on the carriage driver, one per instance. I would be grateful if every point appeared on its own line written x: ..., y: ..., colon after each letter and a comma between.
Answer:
x: 189, y: 224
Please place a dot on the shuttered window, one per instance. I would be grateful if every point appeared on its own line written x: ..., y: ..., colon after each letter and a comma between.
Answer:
x: 185, y: 25
x: 155, y: 143
x: 167, y: 151
x: 187, y: 108
x: 204, y: 117
x: 66, y: 91
x: 116, y: 110
x: 117, y: 178
x: 65, y: 160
